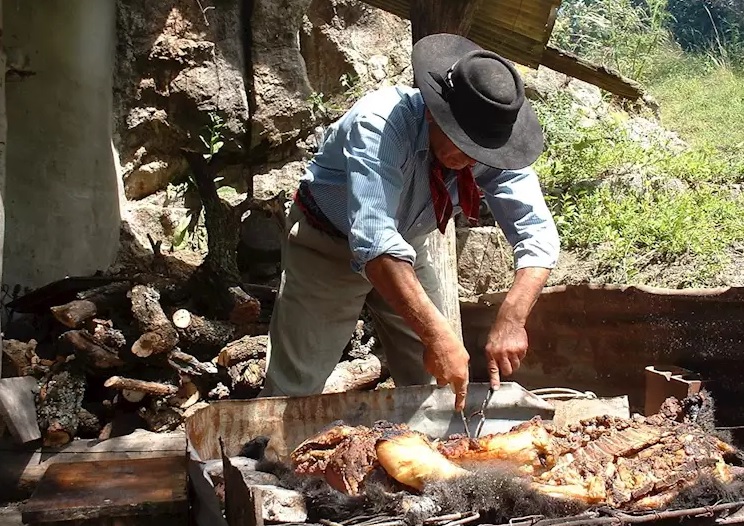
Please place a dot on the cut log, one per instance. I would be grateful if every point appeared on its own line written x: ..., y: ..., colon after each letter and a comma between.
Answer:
x: 58, y: 406
x: 20, y: 356
x: 142, y: 386
x: 187, y: 395
x: 247, y: 347
x: 247, y: 375
x: 90, y: 351
x: 18, y: 409
x: 354, y: 375
x: 160, y: 417
x: 159, y: 335
x: 89, y: 426
x: 187, y: 364
x: 90, y: 303
x: 196, y: 330
x: 104, y: 332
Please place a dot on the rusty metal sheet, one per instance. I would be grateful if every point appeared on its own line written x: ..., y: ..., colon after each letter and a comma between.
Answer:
x: 289, y: 421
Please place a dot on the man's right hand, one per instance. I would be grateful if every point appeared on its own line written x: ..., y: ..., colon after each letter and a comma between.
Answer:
x: 447, y: 360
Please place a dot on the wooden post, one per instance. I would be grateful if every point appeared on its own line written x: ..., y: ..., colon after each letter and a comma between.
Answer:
x: 444, y: 256
x: 444, y: 16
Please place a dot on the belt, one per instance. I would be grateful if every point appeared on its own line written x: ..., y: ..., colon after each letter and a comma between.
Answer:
x: 314, y: 215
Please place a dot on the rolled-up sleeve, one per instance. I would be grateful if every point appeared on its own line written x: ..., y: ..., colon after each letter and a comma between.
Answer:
x: 374, y: 155
x: 518, y: 205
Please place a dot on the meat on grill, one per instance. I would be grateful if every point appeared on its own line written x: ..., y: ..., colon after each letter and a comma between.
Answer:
x: 637, y: 463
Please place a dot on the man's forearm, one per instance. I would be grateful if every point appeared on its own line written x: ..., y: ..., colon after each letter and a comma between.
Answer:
x: 397, y: 283
x: 528, y: 283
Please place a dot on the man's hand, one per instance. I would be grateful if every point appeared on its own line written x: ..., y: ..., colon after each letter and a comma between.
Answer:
x: 445, y: 357
x: 507, y: 341
x: 447, y: 360
x: 505, y: 349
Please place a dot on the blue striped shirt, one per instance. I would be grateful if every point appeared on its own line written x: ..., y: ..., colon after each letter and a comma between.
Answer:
x: 370, y: 177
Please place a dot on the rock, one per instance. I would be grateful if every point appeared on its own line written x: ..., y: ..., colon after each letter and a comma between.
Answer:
x: 281, y: 85
x: 173, y: 69
x: 484, y: 260
x: 349, y: 37
x: 286, y: 178
x: 543, y: 82
x: 279, y: 504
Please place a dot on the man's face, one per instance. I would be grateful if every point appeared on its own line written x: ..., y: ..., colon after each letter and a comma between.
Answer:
x: 444, y: 149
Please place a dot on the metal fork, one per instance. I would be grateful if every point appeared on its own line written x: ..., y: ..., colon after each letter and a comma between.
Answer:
x: 481, y: 413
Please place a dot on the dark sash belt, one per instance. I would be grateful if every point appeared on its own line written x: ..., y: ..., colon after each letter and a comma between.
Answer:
x: 313, y: 213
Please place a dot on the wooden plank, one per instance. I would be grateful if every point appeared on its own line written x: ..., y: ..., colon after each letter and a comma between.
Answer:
x: 18, y: 409
x: 110, y: 488
x: 600, y: 76
x: 22, y: 469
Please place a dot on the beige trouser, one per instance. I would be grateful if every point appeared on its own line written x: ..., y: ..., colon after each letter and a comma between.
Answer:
x: 319, y: 301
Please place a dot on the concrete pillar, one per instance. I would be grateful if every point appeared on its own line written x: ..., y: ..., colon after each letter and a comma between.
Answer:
x: 3, y: 139
x: 62, y: 195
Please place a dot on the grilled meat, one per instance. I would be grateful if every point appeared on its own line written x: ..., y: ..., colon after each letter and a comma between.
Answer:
x: 637, y: 463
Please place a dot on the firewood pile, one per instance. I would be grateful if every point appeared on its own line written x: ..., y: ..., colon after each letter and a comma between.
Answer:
x: 144, y: 346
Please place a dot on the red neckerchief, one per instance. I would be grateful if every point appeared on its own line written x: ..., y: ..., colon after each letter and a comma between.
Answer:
x: 467, y: 190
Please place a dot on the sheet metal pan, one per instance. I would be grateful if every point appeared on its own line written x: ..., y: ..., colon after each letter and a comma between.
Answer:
x: 289, y: 421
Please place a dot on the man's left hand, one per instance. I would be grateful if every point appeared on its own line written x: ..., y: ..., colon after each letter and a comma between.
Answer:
x: 505, y: 349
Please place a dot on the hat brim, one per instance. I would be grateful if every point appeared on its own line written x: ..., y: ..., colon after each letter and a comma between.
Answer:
x: 518, y: 149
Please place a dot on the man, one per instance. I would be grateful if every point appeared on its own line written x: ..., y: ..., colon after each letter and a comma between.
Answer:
x: 393, y: 169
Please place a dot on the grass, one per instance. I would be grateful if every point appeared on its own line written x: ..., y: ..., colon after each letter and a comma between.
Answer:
x: 702, y: 102
x: 630, y: 206
x: 637, y: 209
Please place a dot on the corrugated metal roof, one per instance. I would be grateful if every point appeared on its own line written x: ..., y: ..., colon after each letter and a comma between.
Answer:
x: 517, y: 29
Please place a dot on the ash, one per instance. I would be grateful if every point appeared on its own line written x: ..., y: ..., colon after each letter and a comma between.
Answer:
x: 499, y: 496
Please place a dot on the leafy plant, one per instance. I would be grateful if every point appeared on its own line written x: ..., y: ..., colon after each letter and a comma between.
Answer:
x: 190, y: 230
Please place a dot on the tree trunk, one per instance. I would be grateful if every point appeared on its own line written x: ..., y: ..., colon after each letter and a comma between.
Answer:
x: 218, y: 278
x: 441, y: 16
x: 429, y: 17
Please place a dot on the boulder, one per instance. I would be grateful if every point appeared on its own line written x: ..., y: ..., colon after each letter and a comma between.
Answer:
x: 281, y: 86
x: 349, y: 38
x: 484, y: 260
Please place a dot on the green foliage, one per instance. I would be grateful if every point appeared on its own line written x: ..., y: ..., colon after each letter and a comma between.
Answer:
x: 630, y: 206
x: 702, y: 25
x: 621, y: 34
x: 190, y: 231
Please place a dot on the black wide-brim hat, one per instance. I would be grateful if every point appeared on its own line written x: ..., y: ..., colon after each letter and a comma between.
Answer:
x: 477, y: 99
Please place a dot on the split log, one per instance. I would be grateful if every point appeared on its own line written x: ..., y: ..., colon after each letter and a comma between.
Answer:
x: 246, y: 348
x: 160, y: 417
x: 91, y: 351
x: 20, y: 355
x: 187, y: 364
x: 18, y: 409
x: 90, y: 303
x: 354, y: 375
x: 197, y: 330
x: 188, y: 394
x: 247, y: 376
x: 158, y: 334
x: 141, y: 386
x: 59, y: 402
